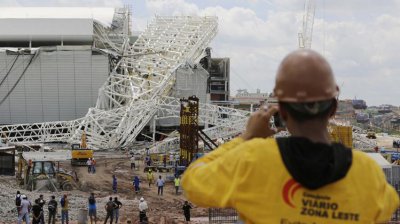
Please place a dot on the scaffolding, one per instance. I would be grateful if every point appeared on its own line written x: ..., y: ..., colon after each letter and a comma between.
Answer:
x: 139, y: 87
x: 188, y: 129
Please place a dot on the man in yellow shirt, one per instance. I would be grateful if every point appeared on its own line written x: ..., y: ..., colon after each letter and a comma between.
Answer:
x: 304, y: 178
x: 150, y: 177
x: 177, y: 182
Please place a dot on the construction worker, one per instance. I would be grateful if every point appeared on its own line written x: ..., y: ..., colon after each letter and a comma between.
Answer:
x: 89, y: 165
x: 133, y: 165
x: 118, y: 205
x: 25, y: 207
x: 165, y: 160
x: 52, y: 207
x: 29, y: 166
x: 93, y: 169
x: 92, y: 208
x: 64, y: 209
x: 41, y: 203
x: 186, y: 211
x: 150, y: 177
x: 37, y: 213
x: 109, y: 207
x: 136, y: 184
x: 304, y: 178
x: 177, y: 182
x: 160, y: 185
x: 18, y: 200
x: 142, y: 210
x: 114, y: 184
x: 171, y: 159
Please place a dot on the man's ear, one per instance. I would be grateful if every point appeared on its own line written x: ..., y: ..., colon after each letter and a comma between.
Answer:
x: 334, y: 108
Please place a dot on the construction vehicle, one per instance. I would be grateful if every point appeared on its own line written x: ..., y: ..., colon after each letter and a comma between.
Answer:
x: 371, y: 135
x: 40, y: 172
x: 396, y: 143
x: 80, y: 153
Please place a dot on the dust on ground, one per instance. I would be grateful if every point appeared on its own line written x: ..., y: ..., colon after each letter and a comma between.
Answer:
x: 162, y: 209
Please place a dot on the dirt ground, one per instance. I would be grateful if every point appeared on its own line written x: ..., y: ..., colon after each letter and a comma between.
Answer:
x: 162, y: 209
x: 386, y: 141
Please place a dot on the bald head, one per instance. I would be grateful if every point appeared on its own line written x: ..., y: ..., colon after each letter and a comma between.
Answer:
x: 305, y: 76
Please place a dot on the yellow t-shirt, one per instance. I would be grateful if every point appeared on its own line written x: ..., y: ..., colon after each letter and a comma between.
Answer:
x: 150, y: 176
x: 251, y: 177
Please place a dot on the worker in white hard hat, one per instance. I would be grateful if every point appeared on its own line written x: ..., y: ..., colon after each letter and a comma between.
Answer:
x: 142, y: 210
x: 24, y: 210
x: 304, y: 178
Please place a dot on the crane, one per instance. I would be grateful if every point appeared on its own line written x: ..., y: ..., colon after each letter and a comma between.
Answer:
x: 305, y: 36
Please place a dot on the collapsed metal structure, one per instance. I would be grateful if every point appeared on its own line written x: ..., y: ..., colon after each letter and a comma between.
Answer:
x: 138, y: 88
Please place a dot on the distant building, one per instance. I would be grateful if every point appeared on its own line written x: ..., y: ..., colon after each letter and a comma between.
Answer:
x: 218, y: 80
x: 246, y: 100
x: 385, y: 108
x: 362, y: 117
x: 345, y: 110
x: 359, y: 104
x: 218, y: 83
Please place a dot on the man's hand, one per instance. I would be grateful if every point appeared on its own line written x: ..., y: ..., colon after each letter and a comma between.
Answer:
x: 258, y: 124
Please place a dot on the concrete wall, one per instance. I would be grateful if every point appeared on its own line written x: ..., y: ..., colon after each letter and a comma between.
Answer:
x: 189, y: 82
x: 58, y: 85
x: 45, y: 30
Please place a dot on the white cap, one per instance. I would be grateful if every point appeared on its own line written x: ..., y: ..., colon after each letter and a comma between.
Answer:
x: 24, y: 196
x: 141, y: 199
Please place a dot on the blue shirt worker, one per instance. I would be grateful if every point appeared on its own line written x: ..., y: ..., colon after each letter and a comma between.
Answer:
x: 136, y: 184
x: 92, y: 208
x: 114, y: 184
x: 160, y: 185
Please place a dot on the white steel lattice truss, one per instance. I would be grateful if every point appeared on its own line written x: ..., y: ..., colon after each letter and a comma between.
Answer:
x: 138, y: 87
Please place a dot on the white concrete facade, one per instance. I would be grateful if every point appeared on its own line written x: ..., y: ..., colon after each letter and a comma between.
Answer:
x: 60, y: 84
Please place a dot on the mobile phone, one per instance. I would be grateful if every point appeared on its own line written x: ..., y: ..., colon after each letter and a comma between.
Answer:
x: 278, y: 122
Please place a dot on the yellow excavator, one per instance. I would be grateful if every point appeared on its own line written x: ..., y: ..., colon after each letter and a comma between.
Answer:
x: 371, y: 134
x: 80, y: 153
x: 40, y: 172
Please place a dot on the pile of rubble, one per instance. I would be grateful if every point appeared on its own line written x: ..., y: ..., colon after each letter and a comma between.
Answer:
x: 361, y: 142
x: 7, y: 201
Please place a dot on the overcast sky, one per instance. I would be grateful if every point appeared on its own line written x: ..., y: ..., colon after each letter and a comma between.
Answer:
x: 360, y: 38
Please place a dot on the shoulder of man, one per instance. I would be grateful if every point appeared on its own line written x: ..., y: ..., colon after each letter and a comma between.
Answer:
x: 117, y: 204
x: 256, y: 149
x: 362, y: 160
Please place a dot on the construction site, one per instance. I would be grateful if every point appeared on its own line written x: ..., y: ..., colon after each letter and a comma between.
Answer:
x: 157, y: 99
